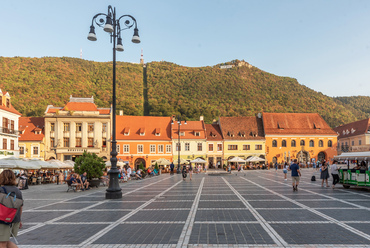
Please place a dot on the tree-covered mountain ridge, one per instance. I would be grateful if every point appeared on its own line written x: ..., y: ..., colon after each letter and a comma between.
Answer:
x: 234, y: 88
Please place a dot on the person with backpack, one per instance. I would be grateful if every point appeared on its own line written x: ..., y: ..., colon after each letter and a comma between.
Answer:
x: 8, y: 186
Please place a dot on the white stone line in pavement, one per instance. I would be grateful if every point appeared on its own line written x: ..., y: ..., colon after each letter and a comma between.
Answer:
x: 340, y: 223
x: 188, y: 227
x: 105, y: 230
x: 164, y: 209
x: 228, y: 209
x: 270, y: 231
x: 217, y: 200
x: 226, y: 222
x: 173, y: 200
x: 75, y: 211
x: 153, y: 222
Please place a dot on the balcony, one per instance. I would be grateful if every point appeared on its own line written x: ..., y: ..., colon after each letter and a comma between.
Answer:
x: 5, y: 130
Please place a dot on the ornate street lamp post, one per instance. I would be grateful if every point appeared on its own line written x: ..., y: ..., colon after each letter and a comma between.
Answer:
x: 179, y: 145
x: 112, y: 25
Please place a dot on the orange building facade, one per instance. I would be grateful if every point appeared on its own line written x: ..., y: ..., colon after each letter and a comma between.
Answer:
x: 143, y: 139
x: 303, y: 136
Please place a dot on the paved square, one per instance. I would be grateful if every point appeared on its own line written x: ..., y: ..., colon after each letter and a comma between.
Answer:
x: 252, y: 209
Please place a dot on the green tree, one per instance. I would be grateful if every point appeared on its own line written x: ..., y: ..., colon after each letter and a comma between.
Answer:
x: 91, y: 164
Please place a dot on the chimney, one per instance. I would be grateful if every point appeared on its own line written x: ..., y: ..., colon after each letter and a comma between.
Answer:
x: 121, y: 112
x: 201, y: 118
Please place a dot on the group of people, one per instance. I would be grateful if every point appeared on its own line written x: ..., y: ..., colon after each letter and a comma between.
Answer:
x: 80, y: 181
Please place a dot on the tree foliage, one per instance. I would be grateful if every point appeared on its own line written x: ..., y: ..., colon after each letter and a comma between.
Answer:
x: 91, y: 164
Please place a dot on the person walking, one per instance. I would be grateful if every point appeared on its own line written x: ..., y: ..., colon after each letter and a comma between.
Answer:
x: 184, y: 173
x: 8, y: 183
x: 172, y: 166
x: 190, y: 172
x: 324, y: 174
x: 285, y: 171
x: 334, y: 173
x: 296, y: 173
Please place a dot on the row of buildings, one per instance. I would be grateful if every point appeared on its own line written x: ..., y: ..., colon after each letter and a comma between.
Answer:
x: 64, y: 133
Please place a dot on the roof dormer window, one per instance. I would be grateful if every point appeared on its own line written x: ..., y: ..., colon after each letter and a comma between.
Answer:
x: 347, y: 132
x: 316, y: 126
x: 242, y: 134
x: 353, y: 130
x: 8, y: 103
x: 126, y: 131
x: 280, y: 126
x: 142, y: 131
x: 196, y: 134
x: 182, y: 133
x: 157, y: 132
x: 230, y: 133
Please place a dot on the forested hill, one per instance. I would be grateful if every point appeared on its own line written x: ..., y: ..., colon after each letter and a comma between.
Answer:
x: 34, y: 83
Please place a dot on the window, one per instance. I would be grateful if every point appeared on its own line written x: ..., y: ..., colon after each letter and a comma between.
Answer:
x: 35, y: 150
x: 283, y: 143
x: 312, y: 143
x: 5, y: 143
x: 90, y: 142
x: 12, y: 125
x: 52, y: 142
x: 210, y: 147
x: 152, y: 148
x: 78, y: 127
x: 104, y: 128
x: 21, y: 150
x: 104, y: 142
x: 330, y: 143
x: 11, y: 144
x: 187, y: 146
x: 359, y: 142
x: 66, y: 127
x: 140, y: 148
x: 274, y: 143
x: 160, y: 148
x: 200, y: 147
x: 126, y: 148
x: 182, y: 133
x: 67, y: 157
x: 232, y: 147
x: 8, y: 103
x: 293, y: 143
x: 258, y: 147
x: 118, y: 149
x: 168, y: 149
x: 196, y: 133
x: 78, y: 142
x: 65, y: 142
x: 353, y: 142
x: 52, y: 126
x: 321, y: 143
x: 219, y: 147
x: 178, y: 147
x: 246, y: 147
x: 90, y: 127
x: 302, y: 143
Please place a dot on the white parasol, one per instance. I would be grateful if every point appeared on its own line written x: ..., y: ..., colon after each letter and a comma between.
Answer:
x: 199, y: 161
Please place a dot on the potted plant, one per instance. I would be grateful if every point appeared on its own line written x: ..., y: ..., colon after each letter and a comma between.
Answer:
x: 92, y: 165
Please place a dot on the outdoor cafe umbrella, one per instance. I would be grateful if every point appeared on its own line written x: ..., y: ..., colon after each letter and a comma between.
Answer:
x: 4, y: 164
x: 54, y: 164
x: 21, y: 164
x: 256, y: 159
x: 199, y: 161
x: 119, y: 163
x: 237, y: 160
x: 67, y: 164
x: 182, y: 161
x: 161, y: 161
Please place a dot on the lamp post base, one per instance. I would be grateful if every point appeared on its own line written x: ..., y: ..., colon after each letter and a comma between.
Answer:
x: 113, y: 195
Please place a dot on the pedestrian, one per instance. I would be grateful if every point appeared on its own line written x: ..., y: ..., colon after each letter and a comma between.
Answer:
x: 184, y: 173
x: 296, y: 173
x: 285, y: 171
x: 334, y: 173
x: 276, y: 166
x: 172, y: 166
x: 190, y: 172
x: 324, y: 174
x: 8, y: 181
x: 229, y: 168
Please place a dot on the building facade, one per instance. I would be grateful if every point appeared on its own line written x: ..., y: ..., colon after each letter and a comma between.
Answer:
x: 354, y: 136
x: 192, y: 142
x: 31, y: 138
x: 303, y: 136
x: 77, y: 127
x: 143, y: 139
x: 243, y: 137
x: 9, y: 130
x: 215, y: 146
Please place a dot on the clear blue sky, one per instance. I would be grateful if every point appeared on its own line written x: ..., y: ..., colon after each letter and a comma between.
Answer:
x: 324, y: 44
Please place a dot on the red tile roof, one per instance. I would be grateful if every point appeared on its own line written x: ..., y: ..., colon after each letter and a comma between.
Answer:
x: 190, y: 128
x: 241, y: 128
x: 149, y: 124
x: 80, y: 106
x: 213, y: 132
x: 28, y: 126
x: 10, y: 109
x: 296, y: 124
x: 353, y: 129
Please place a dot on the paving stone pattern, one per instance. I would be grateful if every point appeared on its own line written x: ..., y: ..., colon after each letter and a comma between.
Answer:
x: 249, y: 209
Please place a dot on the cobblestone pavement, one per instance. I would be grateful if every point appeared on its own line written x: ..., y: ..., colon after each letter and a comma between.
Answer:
x: 248, y: 209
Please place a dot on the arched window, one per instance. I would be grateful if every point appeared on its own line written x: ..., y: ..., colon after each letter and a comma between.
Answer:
x: 312, y: 143
x: 321, y: 143
x: 293, y: 143
x: 274, y: 143
x: 330, y: 143
x: 283, y: 143
x: 302, y: 143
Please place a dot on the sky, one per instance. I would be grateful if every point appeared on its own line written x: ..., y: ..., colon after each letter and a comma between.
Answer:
x: 324, y: 44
